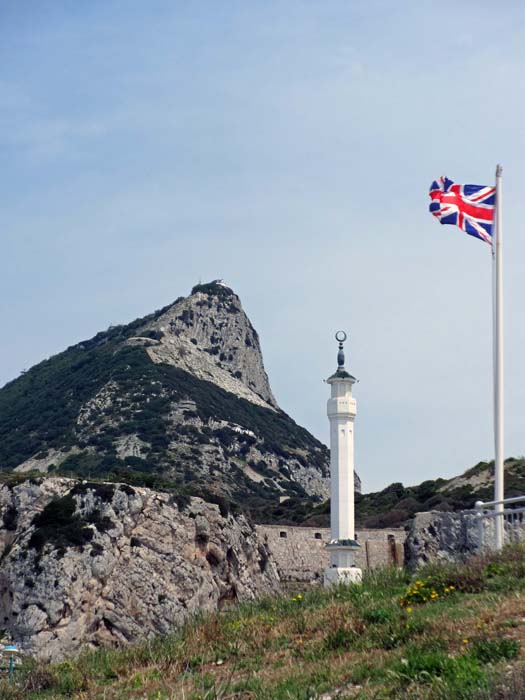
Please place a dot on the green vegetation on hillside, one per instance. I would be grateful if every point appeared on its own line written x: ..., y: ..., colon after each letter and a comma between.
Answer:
x: 447, y: 632
x: 39, y: 412
x: 396, y: 504
x: 60, y: 524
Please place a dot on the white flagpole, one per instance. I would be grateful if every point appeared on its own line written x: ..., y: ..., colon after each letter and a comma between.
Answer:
x: 499, y: 425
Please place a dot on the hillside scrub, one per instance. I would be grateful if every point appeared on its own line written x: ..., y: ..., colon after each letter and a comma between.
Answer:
x: 396, y: 504
x: 39, y: 416
x: 461, y: 638
x: 44, y: 403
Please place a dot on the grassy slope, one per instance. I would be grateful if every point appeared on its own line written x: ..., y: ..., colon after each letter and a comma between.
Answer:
x: 358, y: 641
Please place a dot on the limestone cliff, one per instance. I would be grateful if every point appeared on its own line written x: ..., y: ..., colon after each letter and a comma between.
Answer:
x: 89, y: 564
x: 209, y: 335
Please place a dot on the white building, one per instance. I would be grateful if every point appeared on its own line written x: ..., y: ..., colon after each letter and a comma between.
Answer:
x: 341, y: 413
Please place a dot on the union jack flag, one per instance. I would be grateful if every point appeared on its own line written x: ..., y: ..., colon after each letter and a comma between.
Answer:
x: 471, y: 207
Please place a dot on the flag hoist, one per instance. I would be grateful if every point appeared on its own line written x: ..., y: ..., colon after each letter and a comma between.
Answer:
x: 477, y: 210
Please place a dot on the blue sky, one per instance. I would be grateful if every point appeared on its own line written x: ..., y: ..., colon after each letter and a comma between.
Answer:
x: 286, y: 147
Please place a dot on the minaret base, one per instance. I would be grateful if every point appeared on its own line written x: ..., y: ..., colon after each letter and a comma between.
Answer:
x: 336, y: 576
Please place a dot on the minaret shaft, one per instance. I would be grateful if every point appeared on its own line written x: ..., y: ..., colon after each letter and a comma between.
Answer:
x: 342, y: 411
x: 342, y: 474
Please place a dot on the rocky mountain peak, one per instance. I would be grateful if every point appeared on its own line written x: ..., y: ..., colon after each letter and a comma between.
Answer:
x: 178, y: 400
x: 209, y: 335
x: 215, y: 287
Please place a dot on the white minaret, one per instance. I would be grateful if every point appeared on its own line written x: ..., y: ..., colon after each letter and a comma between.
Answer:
x: 341, y: 413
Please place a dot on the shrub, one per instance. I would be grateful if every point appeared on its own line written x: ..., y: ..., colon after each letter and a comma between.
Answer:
x: 10, y: 517
x: 68, y: 678
x: 426, y: 590
x: 58, y: 525
x: 96, y: 549
x: 214, y: 289
x: 490, y: 651
x: 103, y: 491
x: 182, y: 500
x: 494, y: 569
x: 101, y: 522
x: 154, y: 334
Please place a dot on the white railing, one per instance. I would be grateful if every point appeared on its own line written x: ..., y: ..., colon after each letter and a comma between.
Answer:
x: 513, y: 521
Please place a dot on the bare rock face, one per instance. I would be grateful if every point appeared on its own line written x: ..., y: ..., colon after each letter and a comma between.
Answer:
x: 89, y: 564
x: 209, y: 335
x: 436, y: 536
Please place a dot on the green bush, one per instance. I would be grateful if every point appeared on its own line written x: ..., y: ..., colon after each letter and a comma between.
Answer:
x: 58, y: 525
x: 10, y: 517
x: 426, y: 589
x: 68, y: 678
x: 490, y: 651
x: 378, y: 615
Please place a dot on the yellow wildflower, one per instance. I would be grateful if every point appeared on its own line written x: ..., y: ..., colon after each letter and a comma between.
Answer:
x: 409, y: 610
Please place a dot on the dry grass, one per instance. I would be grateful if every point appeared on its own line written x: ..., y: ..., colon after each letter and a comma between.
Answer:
x: 354, y: 642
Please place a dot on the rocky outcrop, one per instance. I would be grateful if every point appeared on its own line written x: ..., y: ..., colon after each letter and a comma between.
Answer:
x: 209, y: 335
x: 438, y: 536
x: 86, y: 564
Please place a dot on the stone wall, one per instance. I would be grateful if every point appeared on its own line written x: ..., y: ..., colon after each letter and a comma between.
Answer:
x: 300, y: 552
